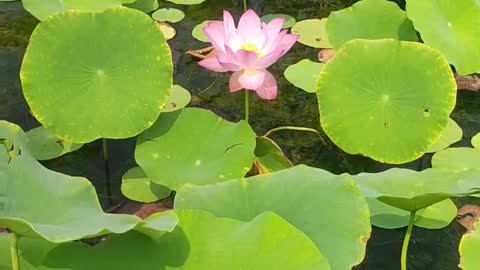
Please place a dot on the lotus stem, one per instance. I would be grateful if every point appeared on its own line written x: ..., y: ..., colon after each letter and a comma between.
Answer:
x: 296, y: 129
x: 247, y: 105
x: 14, y: 252
x: 107, y: 170
x: 406, y: 240
x: 245, y: 5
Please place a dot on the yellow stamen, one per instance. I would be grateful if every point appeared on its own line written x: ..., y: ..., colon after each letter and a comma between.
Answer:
x: 249, y: 47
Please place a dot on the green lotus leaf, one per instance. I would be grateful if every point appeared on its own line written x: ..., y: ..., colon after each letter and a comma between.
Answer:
x: 117, y: 95
x: 44, y: 145
x: 451, y: 27
x: 368, y: 107
x: 304, y: 75
x: 436, y: 216
x: 327, y: 208
x: 172, y: 15
x: 195, y: 146
x: 369, y: 19
x: 457, y: 159
x: 289, y: 20
x: 269, y: 157
x: 43, y: 9
x: 179, y: 99
x: 469, y: 247
x: 198, y: 33
x: 146, y: 6
x: 411, y: 190
x: 68, y: 204
x: 476, y: 141
x: 192, y: 246
x: 137, y: 187
x: 312, y: 33
x: 452, y: 134
x: 168, y: 32
x: 186, y: 2
x: 31, y: 252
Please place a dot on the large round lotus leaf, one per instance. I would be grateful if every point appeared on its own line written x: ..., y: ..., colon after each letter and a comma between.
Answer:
x: 452, y: 134
x: 269, y: 157
x: 452, y: 27
x: 200, y: 242
x: 476, y: 141
x: 411, y: 190
x: 327, y: 208
x: 312, y: 33
x: 304, y: 75
x: 369, y: 19
x: 457, y: 159
x: 44, y: 8
x: 146, y: 6
x: 469, y: 247
x: 168, y: 15
x: 289, y: 20
x: 59, y: 207
x: 195, y: 146
x: 44, y: 145
x: 386, y: 99
x: 81, y: 89
x: 138, y: 187
x: 436, y: 216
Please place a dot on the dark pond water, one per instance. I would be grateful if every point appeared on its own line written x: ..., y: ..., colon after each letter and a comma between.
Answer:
x: 434, y: 249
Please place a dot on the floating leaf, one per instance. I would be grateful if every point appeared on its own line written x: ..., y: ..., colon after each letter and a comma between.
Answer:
x: 44, y: 8
x: 476, y: 141
x: 369, y: 19
x: 370, y: 108
x: 146, y: 6
x: 68, y: 204
x: 457, y: 159
x: 137, y: 187
x: 304, y: 75
x: 312, y: 33
x: 269, y: 157
x: 167, y: 30
x: 179, y: 99
x: 436, y: 216
x: 315, y: 201
x: 195, y: 146
x: 44, y: 145
x: 452, y: 27
x: 289, y: 20
x: 172, y: 15
x: 411, y: 190
x: 186, y: 2
x: 31, y: 252
x: 469, y: 247
x: 452, y: 134
x: 116, y: 95
x: 193, y: 246
x: 198, y: 33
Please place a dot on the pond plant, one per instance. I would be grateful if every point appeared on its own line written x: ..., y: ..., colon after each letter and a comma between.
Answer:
x: 386, y: 85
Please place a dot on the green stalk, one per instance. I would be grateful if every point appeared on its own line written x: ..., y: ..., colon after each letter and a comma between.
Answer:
x: 14, y: 252
x: 296, y: 129
x: 406, y: 240
x: 107, y: 170
x: 245, y: 5
x: 247, y: 105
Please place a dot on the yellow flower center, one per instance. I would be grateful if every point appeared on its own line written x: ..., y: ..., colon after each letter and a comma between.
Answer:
x: 250, y: 47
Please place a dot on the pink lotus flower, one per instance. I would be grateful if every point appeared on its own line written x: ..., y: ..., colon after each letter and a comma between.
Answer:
x: 248, y: 51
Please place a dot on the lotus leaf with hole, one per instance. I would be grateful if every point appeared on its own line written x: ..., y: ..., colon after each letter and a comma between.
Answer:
x: 59, y: 208
x: 138, y: 187
x: 386, y: 99
x: 453, y: 27
x: 369, y: 19
x: 233, y: 245
x: 86, y: 90
x: 315, y: 201
x: 195, y: 146
x: 469, y: 247
x: 411, y: 191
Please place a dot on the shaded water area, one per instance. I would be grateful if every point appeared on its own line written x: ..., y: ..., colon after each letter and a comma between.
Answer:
x: 430, y: 249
